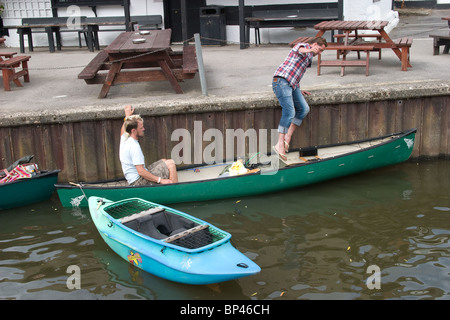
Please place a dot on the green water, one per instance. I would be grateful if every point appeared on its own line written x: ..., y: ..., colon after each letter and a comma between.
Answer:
x: 311, y: 243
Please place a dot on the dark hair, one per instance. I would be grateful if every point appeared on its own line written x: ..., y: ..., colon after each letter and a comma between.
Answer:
x: 319, y: 40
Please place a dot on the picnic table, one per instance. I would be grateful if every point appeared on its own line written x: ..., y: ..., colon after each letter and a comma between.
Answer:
x: 441, y: 38
x: 8, y: 65
x: 136, y: 57
x: 353, y: 40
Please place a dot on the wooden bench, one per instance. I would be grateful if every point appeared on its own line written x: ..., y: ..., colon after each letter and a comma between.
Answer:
x: 190, y: 65
x: 7, y: 55
x: 358, y: 39
x: 9, y: 71
x: 185, y: 63
x: 50, y: 25
x: 344, y: 62
x: 404, y: 44
x: 440, y: 39
x: 89, y: 73
x: 115, y: 24
x: 280, y: 16
x: 150, y: 22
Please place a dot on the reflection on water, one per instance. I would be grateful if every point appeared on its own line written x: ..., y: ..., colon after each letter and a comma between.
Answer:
x: 311, y: 243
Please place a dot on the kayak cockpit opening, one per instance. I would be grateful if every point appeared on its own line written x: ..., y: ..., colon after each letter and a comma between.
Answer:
x: 161, y: 224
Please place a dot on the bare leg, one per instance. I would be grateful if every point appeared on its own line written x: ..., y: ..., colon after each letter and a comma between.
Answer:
x: 288, y: 136
x: 280, y: 145
x: 173, y: 175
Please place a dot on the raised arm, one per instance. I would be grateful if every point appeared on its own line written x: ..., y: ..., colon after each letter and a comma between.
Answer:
x: 129, y: 110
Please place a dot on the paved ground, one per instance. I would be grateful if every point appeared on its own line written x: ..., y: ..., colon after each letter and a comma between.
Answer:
x: 232, y: 75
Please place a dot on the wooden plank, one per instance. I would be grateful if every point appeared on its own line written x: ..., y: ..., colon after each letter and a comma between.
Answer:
x: 7, y: 54
x: 101, y: 151
x: 181, y: 146
x: 362, y: 25
x: 14, y: 61
x: 23, y: 143
x: 251, y: 134
x: 354, y: 121
x: 141, y: 214
x: 109, y: 81
x: 431, y: 130
x: 164, y: 137
x: 443, y: 125
x: 212, y: 137
x: 177, y: 58
x: 185, y: 233
x: 326, y: 128
x: 39, y: 142
x: 445, y: 134
x: 360, y: 47
x: 403, y: 42
x: 90, y: 148
x: 409, y: 114
x: 117, y: 43
x: 353, y: 35
x: 156, y: 40
x: 303, y: 136
x: 96, y: 64
x: 170, y: 76
x: 151, y: 145
x: 189, y: 60
x: 54, y: 148
x: 162, y: 40
x: 378, y: 119
x: 324, y: 25
x: 145, y: 76
x: 340, y: 63
x: 344, y: 25
x: 6, y: 149
x: 219, y: 125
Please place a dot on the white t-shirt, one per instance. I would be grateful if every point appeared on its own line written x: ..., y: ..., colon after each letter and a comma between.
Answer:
x: 130, y: 154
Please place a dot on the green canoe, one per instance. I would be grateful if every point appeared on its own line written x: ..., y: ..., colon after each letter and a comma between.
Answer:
x: 207, y: 182
x: 23, y: 192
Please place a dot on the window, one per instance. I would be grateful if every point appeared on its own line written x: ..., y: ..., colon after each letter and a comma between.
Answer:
x: 66, y: 3
x: 27, y: 8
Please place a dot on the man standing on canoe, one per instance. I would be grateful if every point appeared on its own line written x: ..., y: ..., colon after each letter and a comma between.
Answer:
x: 163, y: 171
x: 286, y: 86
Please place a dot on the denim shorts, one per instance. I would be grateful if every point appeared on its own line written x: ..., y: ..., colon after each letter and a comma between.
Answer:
x: 294, y: 107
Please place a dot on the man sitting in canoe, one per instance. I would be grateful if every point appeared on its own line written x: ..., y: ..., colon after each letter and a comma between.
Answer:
x: 133, y: 163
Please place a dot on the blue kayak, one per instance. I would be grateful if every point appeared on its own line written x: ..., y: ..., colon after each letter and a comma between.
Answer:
x: 169, y: 243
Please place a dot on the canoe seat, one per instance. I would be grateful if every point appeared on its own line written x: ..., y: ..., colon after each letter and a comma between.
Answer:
x: 141, y: 214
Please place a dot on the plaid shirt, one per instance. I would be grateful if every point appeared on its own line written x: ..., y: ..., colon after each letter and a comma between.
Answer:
x: 294, y: 67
